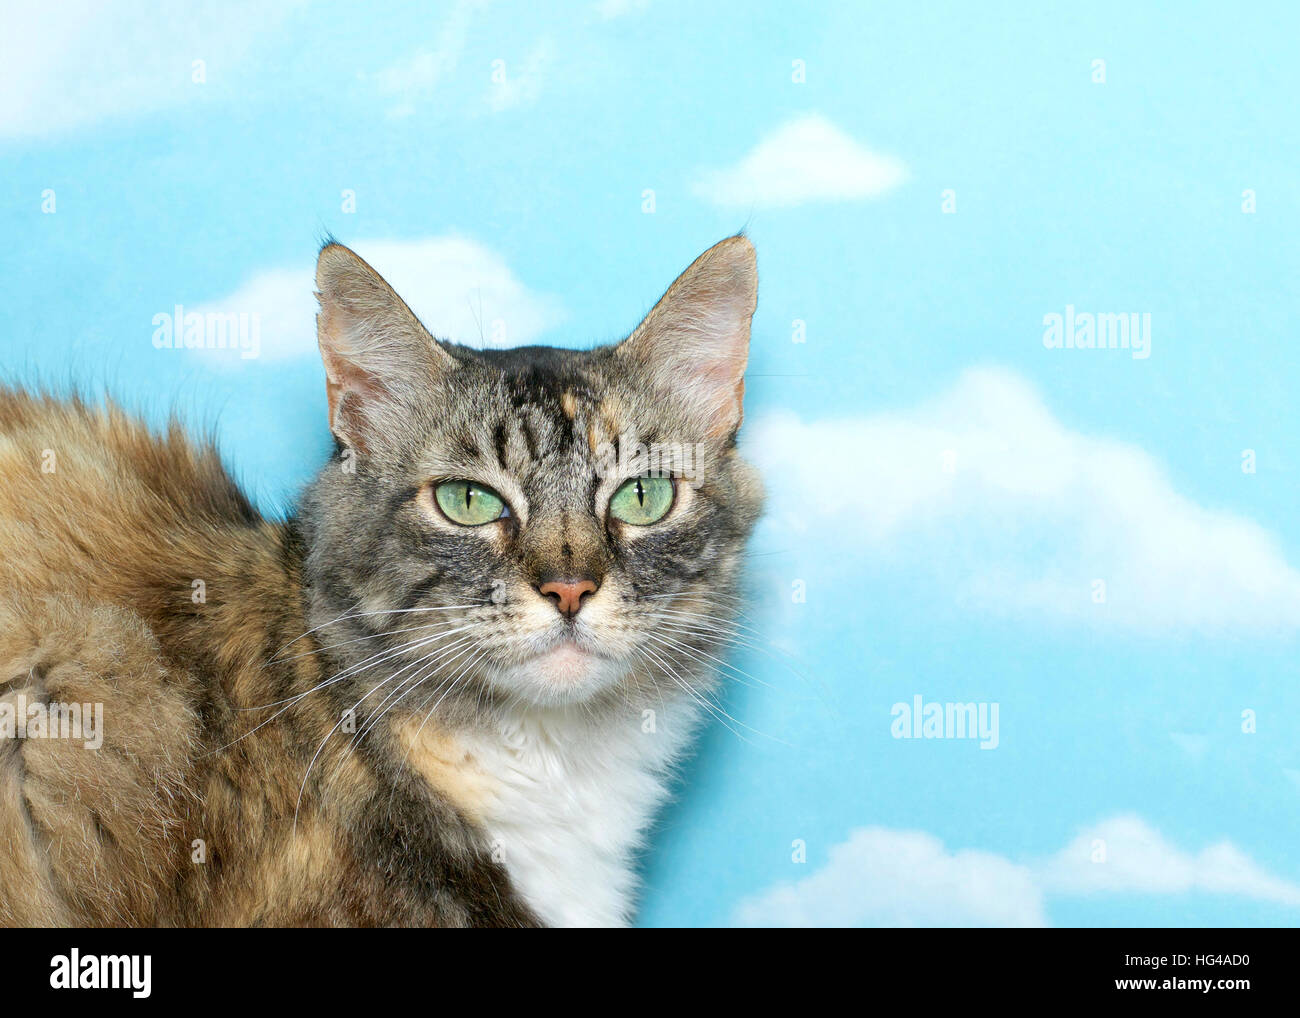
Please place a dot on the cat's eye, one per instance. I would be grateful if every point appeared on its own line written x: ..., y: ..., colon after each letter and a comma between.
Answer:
x: 469, y: 504
x: 642, y: 500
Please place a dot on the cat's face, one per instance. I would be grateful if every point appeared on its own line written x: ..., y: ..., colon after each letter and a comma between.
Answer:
x: 544, y: 525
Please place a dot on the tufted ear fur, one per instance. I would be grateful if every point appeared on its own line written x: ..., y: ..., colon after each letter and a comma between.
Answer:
x: 695, y: 341
x: 377, y: 355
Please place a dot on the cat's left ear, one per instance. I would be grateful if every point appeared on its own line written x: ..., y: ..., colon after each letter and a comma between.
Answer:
x: 695, y: 341
x: 378, y: 358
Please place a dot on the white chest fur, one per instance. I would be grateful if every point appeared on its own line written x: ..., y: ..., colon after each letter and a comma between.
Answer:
x: 568, y: 801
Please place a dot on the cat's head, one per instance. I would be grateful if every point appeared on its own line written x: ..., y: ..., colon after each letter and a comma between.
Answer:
x: 537, y: 524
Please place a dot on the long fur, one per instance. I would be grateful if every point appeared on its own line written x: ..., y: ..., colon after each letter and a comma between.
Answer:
x: 353, y: 717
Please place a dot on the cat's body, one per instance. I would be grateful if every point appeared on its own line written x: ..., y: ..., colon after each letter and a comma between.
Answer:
x: 371, y: 714
x: 100, y: 559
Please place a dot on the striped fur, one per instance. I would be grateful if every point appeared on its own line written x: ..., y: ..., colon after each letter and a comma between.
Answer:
x: 278, y: 750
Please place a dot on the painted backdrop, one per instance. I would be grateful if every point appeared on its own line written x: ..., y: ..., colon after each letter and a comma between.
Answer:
x: 1023, y: 380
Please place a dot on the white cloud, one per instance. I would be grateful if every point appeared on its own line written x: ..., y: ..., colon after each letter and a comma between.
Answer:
x: 882, y: 877
x: 522, y: 85
x: 413, y: 80
x: 460, y: 290
x: 1030, y: 515
x: 1126, y: 855
x: 78, y: 63
x: 807, y: 159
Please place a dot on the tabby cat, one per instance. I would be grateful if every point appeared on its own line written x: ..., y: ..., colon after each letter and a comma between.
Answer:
x: 448, y: 691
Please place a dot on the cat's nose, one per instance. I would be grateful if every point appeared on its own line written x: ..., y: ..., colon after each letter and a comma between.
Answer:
x: 568, y: 594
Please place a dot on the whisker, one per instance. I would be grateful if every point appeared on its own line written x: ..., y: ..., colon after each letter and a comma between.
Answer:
x: 432, y: 710
x: 360, y: 639
x: 361, y: 615
x: 338, y: 677
x: 381, y: 655
x: 766, y: 647
x: 439, y: 658
x: 677, y: 612
x: 466, y: 645
x: 328, y: 735
x: 715, y: 709
x: 704, y: 658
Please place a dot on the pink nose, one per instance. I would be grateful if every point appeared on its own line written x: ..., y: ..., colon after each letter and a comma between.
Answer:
x: 568, y: 594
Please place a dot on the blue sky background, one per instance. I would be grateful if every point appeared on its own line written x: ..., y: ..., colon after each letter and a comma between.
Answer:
x: 1120, y: 722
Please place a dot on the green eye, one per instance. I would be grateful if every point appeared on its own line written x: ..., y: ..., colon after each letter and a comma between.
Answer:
x: 642, y: 500
x: 469, y: 504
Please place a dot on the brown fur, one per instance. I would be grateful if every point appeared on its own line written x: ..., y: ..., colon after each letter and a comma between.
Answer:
x: 135, y: 575
x: 186, y: 813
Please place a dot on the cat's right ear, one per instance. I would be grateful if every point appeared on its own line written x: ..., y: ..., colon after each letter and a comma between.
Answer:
x: 377, y: 355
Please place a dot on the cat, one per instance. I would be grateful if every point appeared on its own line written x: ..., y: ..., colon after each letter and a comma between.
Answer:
x: 449, y: 690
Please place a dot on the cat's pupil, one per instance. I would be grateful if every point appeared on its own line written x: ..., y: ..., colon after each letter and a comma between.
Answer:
x: 640, y: 493
x: 469, y: 495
